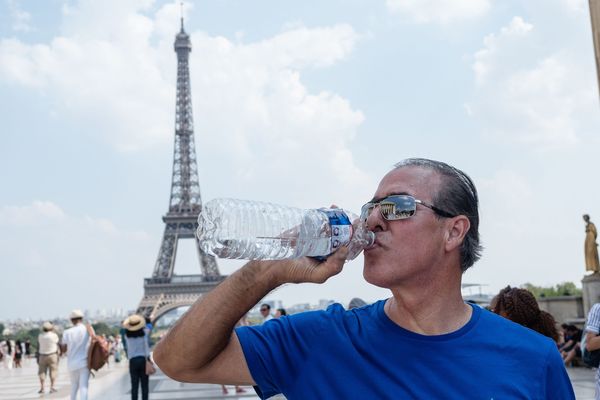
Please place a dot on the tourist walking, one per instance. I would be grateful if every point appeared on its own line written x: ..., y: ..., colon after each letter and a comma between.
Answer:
x: 48, y: 356
x: 75, y: 343
x: 27, y: 348
x: 117, y: 348
x: 138, y: 353
x: 122, y: 333
x: 18, y: 354
x: 423, y: 342
x: 7, y: 348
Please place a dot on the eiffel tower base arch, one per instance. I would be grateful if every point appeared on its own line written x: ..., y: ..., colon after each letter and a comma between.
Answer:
x: 164, y: 295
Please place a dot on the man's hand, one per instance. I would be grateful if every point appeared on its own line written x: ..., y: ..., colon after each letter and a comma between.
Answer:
x: 202, y: 346
x: 592, y: 341
x: 308, y: 269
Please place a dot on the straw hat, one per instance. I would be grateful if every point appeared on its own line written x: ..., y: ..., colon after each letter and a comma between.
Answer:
x: 134, y: 322
x: 76, y: 314
x: 47, y: 326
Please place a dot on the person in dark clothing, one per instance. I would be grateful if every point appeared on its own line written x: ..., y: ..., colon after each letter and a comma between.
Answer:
x: 18, y: 354
x: 573, y: 349
x: 138, y: 353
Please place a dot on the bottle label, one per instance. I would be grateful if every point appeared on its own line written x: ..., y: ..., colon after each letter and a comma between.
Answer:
x: 341, y: 227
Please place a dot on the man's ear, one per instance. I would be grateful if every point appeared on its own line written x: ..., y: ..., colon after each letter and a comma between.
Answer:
x: 457, y: 230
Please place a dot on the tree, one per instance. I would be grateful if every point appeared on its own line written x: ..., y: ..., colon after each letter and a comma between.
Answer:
x: 561, y: 289
x: 101, y: 328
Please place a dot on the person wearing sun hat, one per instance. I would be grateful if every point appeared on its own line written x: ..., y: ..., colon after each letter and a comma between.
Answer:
x: 75, y: 343
x: 138, y: 353
x: 48, y: 355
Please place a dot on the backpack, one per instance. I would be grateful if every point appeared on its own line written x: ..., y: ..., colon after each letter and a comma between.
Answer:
x: 97, y: 353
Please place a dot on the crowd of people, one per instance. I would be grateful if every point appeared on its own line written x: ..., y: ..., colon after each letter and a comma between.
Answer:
x: 12, y: 352
x: 133, y: 342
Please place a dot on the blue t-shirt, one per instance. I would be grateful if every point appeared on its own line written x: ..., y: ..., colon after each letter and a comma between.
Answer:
x: 362, y: 354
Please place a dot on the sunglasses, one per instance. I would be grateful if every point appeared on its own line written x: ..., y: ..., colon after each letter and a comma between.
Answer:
x: 398, y: 206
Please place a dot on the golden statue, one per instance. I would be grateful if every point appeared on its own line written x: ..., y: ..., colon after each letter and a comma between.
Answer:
x: 591, y: 247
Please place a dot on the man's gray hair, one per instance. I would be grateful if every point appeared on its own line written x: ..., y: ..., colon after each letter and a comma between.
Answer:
x: 457, y: 195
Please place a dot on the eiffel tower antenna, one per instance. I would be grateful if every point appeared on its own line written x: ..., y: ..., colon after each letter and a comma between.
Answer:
x: 165, y: 291
x: 181, y: 13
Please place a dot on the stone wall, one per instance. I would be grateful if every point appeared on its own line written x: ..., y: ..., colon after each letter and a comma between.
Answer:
x: 567, y: 309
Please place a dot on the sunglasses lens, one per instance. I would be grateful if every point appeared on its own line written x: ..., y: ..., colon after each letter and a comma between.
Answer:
x: 366, y: 210
x: 388, y: 209
x: 400, y: 207
x: 392, y: 208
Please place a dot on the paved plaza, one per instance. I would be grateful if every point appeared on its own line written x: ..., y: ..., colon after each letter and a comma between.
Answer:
x: 112, y: 383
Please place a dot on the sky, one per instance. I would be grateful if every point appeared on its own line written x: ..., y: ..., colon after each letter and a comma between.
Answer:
x: 300, y: 103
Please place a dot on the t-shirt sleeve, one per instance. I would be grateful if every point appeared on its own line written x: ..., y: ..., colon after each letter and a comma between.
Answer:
x: 593, y: 320
x: 558, y: 384
x: 277, y: 350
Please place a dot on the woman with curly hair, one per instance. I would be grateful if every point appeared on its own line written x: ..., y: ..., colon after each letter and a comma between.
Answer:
x: 520, y: 306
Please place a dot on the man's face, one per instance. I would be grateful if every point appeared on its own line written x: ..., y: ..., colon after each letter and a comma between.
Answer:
x: 264, y: 311
x: 405, y: 249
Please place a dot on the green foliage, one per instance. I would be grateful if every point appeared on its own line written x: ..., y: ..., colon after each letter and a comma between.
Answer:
x: 27, y: 334
x: 101, y: 328
x: 561, y: 289
x: 1, y: 328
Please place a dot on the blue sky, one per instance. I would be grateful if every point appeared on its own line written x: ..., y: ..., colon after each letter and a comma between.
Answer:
x: 301, y: 103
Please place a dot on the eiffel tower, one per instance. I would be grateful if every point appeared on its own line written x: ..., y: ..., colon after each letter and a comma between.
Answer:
x: 165, y: 291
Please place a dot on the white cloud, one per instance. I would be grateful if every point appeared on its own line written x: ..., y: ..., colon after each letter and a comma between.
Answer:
x: 496, y: 45
x: 84, y: 258
x: 114, y: 69
x: 20, y: 19
x: 260, y: 132
x: 31, y: 215
x: 576, y: 5
x: 439, y: 11
x: 530, y: 95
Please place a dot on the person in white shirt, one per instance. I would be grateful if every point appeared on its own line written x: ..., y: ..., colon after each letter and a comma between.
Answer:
x: 48, y: 355
x: 7, y: 348
x: 75, y: 342
x: 265, y: 311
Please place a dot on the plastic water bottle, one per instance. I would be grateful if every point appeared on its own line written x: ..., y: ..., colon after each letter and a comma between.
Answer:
x: 253, y: 230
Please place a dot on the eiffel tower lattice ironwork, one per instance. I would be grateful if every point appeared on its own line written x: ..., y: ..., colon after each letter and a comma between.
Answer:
x: 165, y: 291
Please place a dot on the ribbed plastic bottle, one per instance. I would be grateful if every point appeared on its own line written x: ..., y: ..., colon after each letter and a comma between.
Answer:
x: 253, y: 230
